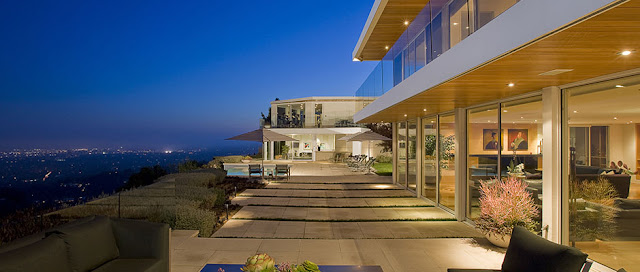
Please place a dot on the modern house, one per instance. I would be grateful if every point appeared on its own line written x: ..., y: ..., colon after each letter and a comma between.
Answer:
x: 318, y: 123
x: 472, y: 86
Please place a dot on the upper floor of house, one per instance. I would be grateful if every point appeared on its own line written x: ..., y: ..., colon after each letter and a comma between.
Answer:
x: 315, y: 112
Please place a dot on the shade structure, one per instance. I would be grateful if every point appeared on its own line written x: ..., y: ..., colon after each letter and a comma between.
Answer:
x: 262, y: 135
x: 366, y: 136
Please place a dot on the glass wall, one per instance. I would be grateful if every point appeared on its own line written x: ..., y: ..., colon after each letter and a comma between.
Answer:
x: 439, y: 26
x: 411, y: 155
x: 458, y: 21
x: 483, y: 145
x: 430, y: 166
x: 290, y: 116
x: 447, y: 150
x: 487, y: 10
x: 522, y: 145
x: 401, y: 159
x: 603, y: 160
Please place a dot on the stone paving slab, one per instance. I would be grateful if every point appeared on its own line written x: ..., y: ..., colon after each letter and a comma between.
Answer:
x: 342, y: 214
x: 338, y: 202
x: 336, y: 179
x: 326, y: 193
x: 348, y: 186
x: 345, y: 230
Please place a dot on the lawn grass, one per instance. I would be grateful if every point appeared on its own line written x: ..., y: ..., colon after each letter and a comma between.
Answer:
x: 383, y: 168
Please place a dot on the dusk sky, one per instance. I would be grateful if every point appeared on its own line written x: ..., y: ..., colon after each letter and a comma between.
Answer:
x: 158, y: 74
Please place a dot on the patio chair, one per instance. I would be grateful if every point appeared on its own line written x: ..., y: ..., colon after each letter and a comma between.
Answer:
x: 283, y: 169
x: 256, y: 169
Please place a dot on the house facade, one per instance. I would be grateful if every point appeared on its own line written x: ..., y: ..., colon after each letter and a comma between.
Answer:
x: 318, y: 123
x: 474, y: 88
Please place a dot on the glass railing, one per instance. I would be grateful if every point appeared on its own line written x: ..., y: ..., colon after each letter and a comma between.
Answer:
x: 439, y: 26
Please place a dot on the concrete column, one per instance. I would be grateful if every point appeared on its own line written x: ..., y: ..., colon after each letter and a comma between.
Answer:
x: 264, y: 151
x: 309, y: 114
x: 552, y: 185
x: 272, y: 153
x: 461, y: 164
x: 419, y: 156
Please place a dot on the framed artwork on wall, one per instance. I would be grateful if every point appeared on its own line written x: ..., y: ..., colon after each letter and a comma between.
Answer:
x: 490, y: 138
x: 518, y: 139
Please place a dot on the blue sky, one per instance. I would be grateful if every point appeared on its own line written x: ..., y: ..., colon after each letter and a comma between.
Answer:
x: 160, y: 74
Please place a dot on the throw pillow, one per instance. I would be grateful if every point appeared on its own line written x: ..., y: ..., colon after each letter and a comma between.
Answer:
x: 91, y: 244
x: 528, y: 252
x: 48, y: 254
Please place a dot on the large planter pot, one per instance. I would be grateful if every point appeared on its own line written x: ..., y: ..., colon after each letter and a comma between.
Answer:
x: 246, y: 161
x: 498, y: 239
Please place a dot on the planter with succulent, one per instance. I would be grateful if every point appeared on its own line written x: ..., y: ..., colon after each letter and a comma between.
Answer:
x: 264, y: 263
x: 505, y: 204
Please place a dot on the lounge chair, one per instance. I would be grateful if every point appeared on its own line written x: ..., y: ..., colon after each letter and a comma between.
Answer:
x: 283, y: 169
x: 255, y: 169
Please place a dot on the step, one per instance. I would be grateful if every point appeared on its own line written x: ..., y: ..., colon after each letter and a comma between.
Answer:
x: 333, y: 202
x: 343, y: 186
x: 342, y: 214
x: 325, y: 193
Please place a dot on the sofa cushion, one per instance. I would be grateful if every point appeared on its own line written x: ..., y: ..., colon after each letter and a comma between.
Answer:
x: 528, y: 252
x: 90, y: 244
x: 141, y: 265
x: 48, y: 254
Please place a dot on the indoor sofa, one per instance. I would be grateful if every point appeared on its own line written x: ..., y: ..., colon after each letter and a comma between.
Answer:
x: 91, y: 244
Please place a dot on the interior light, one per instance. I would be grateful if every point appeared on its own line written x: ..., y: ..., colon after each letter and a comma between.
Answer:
x: 455, y: 23
x: 511, y: 84
x: 625, y: 53
x: 619, y: 86
x: 575, y: 111
x: 432, y: 121
x: 504, y: 110
x: 406, y: 22
x: 535, y: 120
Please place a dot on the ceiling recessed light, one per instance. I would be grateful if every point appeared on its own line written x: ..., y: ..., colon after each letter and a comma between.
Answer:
x: 455, y: 23
x: 535, y: 120
x: 424, y: 109
x: 619, y: 86
x: 521, y: 117
x: 625, y: 53
x: 575, y: 111
x: 405, y: 115
x: 504, y: 110
x: 511, y: 84
x: 406, y: 22
x: 615, y: 118
x: 432, y: 121
x: 386, y: 47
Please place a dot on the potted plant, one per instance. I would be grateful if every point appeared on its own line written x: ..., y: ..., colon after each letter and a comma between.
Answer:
x: 505, y: 204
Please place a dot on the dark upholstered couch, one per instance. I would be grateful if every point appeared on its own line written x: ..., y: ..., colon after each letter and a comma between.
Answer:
x: 528, y: 252
x: 91, y: 244
x: 620, y: 182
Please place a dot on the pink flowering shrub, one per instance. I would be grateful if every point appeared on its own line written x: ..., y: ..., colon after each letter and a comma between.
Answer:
x: 505, y: 204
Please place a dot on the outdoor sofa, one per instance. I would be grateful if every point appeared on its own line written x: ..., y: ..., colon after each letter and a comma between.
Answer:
x: 528, y: 252
x: 91, y: 244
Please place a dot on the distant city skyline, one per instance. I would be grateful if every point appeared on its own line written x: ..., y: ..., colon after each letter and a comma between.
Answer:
x: 162, y: 74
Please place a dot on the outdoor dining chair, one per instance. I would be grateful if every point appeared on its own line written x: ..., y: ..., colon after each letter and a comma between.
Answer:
x: 255, y: 169
x: 283, y: 169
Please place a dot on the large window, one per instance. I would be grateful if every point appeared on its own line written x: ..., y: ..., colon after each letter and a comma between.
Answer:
x: 458, y: 21
x: 397, y: 70
x: 430, y: 167
x: 411, y: 155
x: 447, y: 151
x: 401, y: 159
x: 421, y: 51
x: 602, y: 159
x: 437, y: 42
x: 483, y: 145
x: 487, y: 10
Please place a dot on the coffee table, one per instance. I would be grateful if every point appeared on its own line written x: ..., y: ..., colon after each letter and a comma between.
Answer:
x: 323, y: 268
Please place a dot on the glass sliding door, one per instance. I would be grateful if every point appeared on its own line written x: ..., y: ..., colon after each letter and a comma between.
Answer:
x: 411, y: 155
x: 603, y: 159
x: 483, y: 145
x: 430, y: 166
x: 522, y: 140
x: 447, y: 159
x: 401, y: 154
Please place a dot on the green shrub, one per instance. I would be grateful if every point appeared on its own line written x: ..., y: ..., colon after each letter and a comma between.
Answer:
x: 221, y: 197
x: 189, y: 165
x: 384, y: 159
x: 190, y: 218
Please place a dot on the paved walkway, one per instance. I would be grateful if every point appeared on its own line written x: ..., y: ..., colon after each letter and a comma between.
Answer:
x: 338, y: 207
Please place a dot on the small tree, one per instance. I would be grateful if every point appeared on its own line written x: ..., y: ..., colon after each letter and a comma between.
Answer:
x: 189, y: 165
x: 384, y: 130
